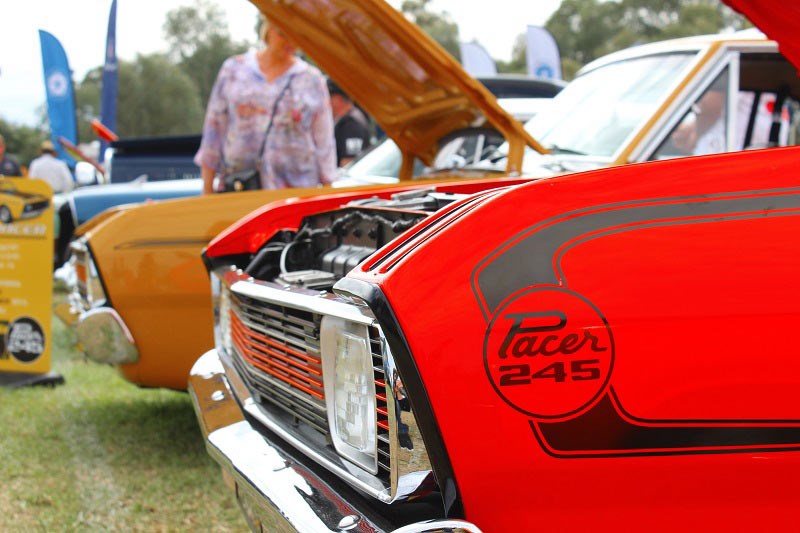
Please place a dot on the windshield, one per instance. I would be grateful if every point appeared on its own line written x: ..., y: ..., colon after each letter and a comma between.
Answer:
x: 598, y: 111
x: 382, y: 160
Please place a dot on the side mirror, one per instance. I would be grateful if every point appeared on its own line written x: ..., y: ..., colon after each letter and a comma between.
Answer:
x: 86, y: 174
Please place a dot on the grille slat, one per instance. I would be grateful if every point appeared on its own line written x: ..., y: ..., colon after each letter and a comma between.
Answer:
x: 275, y: 394
x: 289, y: 336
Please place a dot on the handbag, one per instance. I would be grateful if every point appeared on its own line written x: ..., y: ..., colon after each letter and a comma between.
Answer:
x: 249, y: 179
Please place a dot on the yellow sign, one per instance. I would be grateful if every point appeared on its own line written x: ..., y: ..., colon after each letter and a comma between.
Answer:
x: 26, y: 275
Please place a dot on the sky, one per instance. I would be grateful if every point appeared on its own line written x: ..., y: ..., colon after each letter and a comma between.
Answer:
x: 80, y: 25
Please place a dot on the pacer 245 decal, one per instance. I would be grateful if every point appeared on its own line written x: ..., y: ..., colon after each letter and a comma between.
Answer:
x: 549, y: 352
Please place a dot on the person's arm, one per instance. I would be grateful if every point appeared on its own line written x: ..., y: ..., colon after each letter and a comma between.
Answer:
x: 207, y: 174
x: 322, y: 133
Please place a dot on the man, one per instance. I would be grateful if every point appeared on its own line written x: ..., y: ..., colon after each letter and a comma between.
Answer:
x: 51, y: 169
x: 350, y: 129
x: 8, y: 166
x: 702, y: 131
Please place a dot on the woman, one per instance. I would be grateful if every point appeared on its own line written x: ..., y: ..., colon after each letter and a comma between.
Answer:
x: 270, y: 111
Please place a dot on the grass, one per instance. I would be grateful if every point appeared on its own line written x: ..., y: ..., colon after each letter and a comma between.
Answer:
x: 100, y: 454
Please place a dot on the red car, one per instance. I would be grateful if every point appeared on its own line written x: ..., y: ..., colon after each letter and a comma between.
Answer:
x: 610, y: 349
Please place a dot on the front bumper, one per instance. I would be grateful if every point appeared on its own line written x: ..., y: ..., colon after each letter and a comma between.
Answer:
x: 101, y: 332
x: 276, y: 491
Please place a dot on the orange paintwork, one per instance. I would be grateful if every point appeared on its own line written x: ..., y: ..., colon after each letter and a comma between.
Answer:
x: 150, y: 262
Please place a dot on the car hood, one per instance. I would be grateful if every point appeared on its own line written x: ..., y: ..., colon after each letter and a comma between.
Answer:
x: 777, y: 19
x: 410, y: 85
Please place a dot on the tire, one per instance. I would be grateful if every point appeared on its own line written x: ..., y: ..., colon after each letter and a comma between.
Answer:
x: 5, y: 214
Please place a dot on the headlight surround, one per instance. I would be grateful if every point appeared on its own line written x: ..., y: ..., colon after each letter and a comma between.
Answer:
x: 88, y: 285
x: 350, y: 390
x: 221, y: 303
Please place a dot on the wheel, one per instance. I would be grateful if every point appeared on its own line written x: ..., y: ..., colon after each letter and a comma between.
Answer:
x: 5, y: 214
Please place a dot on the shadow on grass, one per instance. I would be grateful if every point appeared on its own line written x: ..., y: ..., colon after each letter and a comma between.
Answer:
x: 153, y: 426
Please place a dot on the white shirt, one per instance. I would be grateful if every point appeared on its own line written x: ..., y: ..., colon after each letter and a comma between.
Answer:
x: 53, y: 171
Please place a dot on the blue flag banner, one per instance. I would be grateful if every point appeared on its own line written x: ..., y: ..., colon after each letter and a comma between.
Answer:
x: 108, y: 99
x: 544, y: 59
x: 60, y: 95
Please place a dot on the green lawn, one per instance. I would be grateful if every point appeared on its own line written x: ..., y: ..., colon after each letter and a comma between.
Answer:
x: 100, y: 454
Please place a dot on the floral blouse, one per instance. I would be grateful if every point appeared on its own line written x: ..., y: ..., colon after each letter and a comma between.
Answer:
x: 300, y: 150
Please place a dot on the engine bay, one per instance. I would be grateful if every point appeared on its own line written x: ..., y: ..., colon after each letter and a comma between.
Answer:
x: 330, y: 244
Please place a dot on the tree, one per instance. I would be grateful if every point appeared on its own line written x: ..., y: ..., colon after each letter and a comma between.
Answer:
x: 439, y: 26
x: 199, y: 41
x: 22, y: 141
x: 588, y: 29
x: 518, y: 63
x: 156, y: 97
x: 159, y: 99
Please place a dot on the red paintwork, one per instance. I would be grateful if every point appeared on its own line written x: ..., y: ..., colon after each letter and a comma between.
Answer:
x: 702, y: 312
x: 249, y: 233
x: 777, y: 19
x: 699, y: 309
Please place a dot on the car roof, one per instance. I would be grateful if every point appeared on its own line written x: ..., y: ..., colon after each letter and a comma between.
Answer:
x: 521, y: 86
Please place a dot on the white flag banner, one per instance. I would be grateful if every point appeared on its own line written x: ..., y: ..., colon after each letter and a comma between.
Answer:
x: 544, y: 59
x: 476, y: 60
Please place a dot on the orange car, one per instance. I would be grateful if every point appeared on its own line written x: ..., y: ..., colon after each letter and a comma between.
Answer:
x: 141, y: 298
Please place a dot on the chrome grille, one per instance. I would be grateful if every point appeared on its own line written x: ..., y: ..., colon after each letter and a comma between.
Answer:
x: 277, y: 353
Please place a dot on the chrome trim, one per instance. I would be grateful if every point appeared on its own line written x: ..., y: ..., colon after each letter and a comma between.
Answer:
x: 88, y: 299
x: 320, y: 302
x: 412, y: 472
x: 275, y: 491
x: 436, y: 526
x: 105, y: 338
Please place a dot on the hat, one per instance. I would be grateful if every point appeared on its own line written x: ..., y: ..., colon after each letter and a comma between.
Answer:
x: 47, y: 146
x: 333, y: 88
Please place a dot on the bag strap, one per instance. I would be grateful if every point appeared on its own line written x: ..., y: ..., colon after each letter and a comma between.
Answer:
x: 259, y: 160
x: 260, y: 157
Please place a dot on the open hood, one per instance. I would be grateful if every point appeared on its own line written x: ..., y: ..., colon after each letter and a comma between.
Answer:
x: 778, y: 19
x: 408, y: 83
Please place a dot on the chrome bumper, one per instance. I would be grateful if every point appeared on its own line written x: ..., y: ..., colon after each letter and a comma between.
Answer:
x: 104, y: 337
x: 276, y: 491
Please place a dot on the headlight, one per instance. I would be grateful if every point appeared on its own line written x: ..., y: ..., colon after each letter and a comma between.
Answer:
x: 350, y: 390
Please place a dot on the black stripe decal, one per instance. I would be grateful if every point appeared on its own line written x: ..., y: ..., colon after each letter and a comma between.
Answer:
x: 607, y: 430
x: 527, y: 259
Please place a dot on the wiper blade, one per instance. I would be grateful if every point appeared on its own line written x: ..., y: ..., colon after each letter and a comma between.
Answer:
x: 555, y: 149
